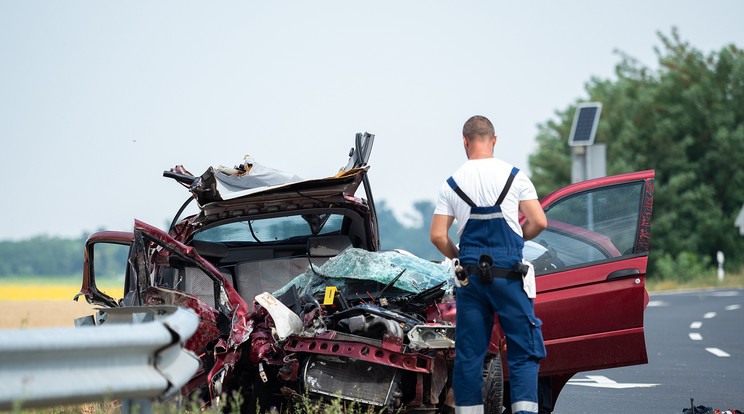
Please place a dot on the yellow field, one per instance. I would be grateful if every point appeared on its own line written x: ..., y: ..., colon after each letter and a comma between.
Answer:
x: 37, y: 292
x: 44, y: 291
x: 28, y: 305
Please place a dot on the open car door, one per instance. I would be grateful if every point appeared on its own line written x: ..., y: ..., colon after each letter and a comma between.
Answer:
x: 591, y: 273
x: 95, y: 243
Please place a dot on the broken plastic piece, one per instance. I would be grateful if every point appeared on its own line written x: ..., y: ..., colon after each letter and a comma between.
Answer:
x: 285, y: 321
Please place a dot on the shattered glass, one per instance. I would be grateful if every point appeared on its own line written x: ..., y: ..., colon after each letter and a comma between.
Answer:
x: 383, y: 267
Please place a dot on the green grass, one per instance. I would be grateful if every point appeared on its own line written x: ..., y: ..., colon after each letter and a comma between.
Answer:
x: 229, y: 405
x: 705, y: 280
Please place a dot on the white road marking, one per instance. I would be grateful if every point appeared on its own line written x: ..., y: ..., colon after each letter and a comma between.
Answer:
x: 695, y: 336
x: 718, y: 352
x: 709, y: 315
x: 733, y: 307
x: 726, y: 293
x: 600, y: 381
x: 696, y: 325
x: 656, y: 304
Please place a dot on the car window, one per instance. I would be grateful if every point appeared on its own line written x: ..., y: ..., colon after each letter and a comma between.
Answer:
x: 274, y: 229
x: 110, y: 268
x: 592, y: 225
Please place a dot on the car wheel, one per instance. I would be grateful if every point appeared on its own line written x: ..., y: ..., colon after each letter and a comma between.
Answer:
x: 493, y: 385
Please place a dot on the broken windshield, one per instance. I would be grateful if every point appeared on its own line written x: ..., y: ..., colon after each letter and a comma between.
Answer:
x: 409, y: 273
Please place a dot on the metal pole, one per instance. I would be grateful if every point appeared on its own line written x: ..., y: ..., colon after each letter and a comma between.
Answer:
x: 719, y: 256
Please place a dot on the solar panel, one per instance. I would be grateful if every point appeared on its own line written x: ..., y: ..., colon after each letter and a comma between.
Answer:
x: 585, y: 124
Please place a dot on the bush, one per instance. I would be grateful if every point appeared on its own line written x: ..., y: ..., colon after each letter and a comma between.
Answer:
x: 684, y: 267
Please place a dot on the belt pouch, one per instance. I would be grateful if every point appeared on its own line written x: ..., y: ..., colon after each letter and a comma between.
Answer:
x: 485, y: 277
x: 485, y: 263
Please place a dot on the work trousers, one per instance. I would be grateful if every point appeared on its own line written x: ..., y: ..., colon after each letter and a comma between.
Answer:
x: 476, y: 305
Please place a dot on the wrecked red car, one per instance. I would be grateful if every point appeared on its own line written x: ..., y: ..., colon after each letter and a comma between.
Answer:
x: 297, y: 301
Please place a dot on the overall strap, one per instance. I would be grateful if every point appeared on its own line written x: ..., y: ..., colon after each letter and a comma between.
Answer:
x: 459, y: 192
x: 505, y: 191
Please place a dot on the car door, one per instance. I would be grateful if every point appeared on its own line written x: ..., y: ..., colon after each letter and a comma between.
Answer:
x: 94, y: 244
x: 591, y: 273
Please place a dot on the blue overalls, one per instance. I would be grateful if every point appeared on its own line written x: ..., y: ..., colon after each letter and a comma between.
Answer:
x: 487, y: 232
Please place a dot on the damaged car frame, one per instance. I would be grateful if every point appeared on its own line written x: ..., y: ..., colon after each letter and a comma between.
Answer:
x: 296, y: 300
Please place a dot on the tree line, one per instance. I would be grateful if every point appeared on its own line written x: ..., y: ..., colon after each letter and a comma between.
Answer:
x: 41, y: 255
x: 56, y: 256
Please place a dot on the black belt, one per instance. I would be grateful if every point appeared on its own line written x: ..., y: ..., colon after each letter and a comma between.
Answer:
x: 492, y: 272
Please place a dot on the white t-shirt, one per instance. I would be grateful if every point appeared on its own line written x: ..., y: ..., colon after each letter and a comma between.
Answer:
x: 482, y: 180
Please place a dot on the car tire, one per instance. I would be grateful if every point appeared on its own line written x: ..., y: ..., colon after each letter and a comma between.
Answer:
x: 493, y: 385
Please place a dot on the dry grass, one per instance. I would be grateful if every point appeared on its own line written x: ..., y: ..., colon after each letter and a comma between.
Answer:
x: 42, y: 302
x: 15, y: 314
x: 89, y: 408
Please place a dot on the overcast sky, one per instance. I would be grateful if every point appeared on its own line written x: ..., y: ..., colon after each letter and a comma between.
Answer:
x: 98, y: 98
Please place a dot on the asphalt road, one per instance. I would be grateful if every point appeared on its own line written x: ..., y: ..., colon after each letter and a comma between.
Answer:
x: 695, y: 345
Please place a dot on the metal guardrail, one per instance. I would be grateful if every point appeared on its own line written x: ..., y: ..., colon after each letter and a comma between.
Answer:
x: 137, y: 361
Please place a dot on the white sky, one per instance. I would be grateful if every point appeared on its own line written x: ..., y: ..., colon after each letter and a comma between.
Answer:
x: 98, y: 98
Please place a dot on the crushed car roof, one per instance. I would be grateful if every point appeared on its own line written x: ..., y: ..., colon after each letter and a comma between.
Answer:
x: 249, y: 181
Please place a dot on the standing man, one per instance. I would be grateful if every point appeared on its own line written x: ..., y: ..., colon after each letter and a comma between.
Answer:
x: 486, y: 195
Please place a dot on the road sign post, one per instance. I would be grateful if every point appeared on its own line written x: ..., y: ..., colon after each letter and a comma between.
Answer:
x: 719, y: 256
x: 588, y: 160
x: 739, y: 222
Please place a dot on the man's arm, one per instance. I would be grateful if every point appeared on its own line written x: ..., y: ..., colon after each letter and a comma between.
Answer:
x: 440, y: 225
x: 536, y: 221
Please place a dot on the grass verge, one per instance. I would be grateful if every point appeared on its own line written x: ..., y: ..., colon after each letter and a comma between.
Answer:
x: 231, y: 405
x: 707, y: 280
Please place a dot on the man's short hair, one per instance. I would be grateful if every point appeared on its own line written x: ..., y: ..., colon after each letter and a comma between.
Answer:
x: 478, y: 127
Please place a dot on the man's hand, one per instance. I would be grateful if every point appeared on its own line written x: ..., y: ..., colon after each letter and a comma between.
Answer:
x: 536, y: 220
x: 440, y: 225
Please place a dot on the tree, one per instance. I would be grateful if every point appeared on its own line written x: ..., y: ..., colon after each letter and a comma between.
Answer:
x: 684, y: 120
